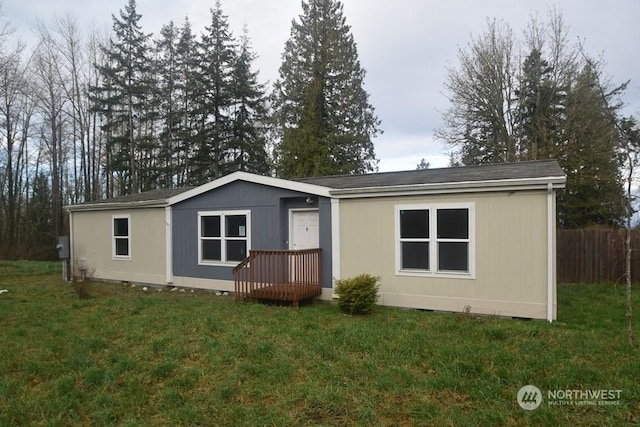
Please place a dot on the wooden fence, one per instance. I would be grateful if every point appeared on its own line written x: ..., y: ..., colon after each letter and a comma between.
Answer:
x: 595, y: 256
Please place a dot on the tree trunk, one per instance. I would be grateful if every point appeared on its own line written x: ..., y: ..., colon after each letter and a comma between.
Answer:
x: 628, y: 255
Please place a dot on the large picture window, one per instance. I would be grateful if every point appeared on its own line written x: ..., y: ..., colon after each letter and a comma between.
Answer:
x: 223, y: 237
x: 121, y: 236
x: 434, y: 239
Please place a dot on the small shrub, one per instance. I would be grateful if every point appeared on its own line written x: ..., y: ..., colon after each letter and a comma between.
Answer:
x: 80, y: 286
x: 357, y: 295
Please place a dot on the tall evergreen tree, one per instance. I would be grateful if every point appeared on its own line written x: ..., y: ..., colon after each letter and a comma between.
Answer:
x: 167, y: 70
x: 323, y: 117
x: 590, y: 156
x: 123, y: 99
x: 217, y: 53
x: 187, y: 100
x: 247, y: 149
x: 540, y: 109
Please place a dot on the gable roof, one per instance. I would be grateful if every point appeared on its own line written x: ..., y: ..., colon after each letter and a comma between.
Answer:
x: 152, y: 195
x: 168, y: 197
x: 492, y: 177
x: 500, y: 171
x: 521, y: 175
x: 148, y: 199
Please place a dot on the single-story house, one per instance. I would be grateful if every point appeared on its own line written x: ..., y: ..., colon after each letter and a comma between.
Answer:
x: 479, y: 239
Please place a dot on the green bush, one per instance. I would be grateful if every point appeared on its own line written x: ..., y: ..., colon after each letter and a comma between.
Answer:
x: 357, y: 295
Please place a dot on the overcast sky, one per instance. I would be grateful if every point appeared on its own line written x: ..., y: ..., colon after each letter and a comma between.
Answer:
x: 405, y: 46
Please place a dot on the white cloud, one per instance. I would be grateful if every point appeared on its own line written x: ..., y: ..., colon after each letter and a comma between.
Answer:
x: 402, y: 151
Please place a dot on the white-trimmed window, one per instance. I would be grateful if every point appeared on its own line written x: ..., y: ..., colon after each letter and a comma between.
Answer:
x: 121, y: 237
x: 224, y: 237
x: 414, y: 239
x: 435, y: 239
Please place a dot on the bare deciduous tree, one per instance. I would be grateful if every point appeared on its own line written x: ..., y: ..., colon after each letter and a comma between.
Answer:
x: 481, y: 118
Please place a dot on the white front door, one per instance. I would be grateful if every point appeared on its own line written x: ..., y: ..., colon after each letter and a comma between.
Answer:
x: 304, y: 230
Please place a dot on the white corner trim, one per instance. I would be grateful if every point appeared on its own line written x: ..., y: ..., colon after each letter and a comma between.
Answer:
x: 168, y: 244
x: 335, y: 243
x: 71, y: 244
x: 550, y: 254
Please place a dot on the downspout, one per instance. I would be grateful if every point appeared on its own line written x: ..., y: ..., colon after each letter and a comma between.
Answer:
x: 168, y: 245
x: 550, y: 253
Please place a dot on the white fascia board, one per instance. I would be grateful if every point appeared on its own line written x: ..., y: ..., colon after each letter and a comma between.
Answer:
x: 117, y: 205
x: 452, y: 187
x: 301, y: 187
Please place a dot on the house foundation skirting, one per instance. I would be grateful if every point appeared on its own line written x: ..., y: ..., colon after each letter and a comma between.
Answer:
x: 209, y: 284
x: 327, y: 294
x: 121, y: 276
x: 475, y: 306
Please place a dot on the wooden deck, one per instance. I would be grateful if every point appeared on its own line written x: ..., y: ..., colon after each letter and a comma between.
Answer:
x: 279, y: 275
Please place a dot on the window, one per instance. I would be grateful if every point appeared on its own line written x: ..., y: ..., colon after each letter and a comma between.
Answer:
x: 453, y: 239
x: 435, y: 239
x: 223, y: 237
x: 121, y: 237
x: 414, y: 239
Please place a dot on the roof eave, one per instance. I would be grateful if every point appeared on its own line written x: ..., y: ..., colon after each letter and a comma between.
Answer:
x: 117, y: 205
x: 519, y: 184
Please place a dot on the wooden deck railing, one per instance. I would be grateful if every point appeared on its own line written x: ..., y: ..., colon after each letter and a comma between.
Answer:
x: 279, y: 275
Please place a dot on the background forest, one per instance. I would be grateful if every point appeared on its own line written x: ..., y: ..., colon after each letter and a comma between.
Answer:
x: 84, y: 116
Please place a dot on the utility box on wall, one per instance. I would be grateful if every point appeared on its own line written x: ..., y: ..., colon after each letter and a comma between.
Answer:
x: 63, y: 247
x: 63, y: 254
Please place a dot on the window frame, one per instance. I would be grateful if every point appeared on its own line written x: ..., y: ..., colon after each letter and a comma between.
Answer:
x: 114, y: 254
x: 223, y: 238
x: 434, y: 241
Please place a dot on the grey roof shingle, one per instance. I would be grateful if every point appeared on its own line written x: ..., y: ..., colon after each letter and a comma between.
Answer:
x: 145, y: 196
x: 490, y: 172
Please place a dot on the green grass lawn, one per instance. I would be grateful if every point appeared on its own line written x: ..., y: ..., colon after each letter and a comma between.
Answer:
x: 135, y: 358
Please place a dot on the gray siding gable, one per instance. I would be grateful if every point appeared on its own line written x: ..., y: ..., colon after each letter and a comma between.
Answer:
x: 237, y: 195
x: 269, y: 207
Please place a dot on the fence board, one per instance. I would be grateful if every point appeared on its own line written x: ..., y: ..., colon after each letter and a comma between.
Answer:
x: 595, y: 256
